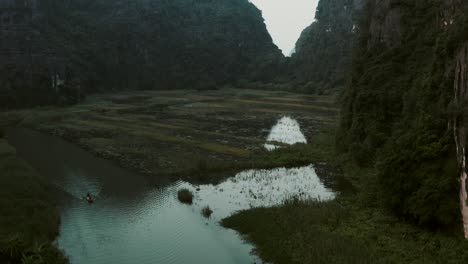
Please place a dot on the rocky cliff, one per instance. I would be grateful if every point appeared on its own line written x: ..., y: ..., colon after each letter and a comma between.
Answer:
x: 323, y: 52
x: 76, y: 46
x: 460, y: 123
x: 405, y: 103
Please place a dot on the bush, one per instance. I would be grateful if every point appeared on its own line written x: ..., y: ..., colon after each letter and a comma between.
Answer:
x: 206, y: 211
x: 16, y: 250
x: 286, y: 234
x: 2, y: 132
x: 185, y: 196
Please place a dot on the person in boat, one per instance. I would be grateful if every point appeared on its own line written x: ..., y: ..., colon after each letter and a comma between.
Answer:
x: 89, y: 198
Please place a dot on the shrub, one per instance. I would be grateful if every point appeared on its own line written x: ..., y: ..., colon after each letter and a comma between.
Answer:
x: 206, y: 211
x: 185, y: 196
x: 2, y: 133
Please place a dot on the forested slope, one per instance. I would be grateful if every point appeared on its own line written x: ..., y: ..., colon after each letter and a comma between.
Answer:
x: 54, y: 51
x: 406, y: 102
x: 322, y: 55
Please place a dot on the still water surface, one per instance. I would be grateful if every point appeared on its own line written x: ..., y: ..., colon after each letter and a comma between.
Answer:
x: 287, y: 131
x: 137, y: 220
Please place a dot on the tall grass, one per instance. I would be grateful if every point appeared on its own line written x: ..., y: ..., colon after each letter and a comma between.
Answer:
x: 300, y: 232
x: 28, y: 213
x: 16, y: 250
x: 320, y: 150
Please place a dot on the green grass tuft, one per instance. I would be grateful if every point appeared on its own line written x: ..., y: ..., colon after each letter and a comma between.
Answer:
x: 185, y: 196
x: 28, y: 215
x: 206, y: 211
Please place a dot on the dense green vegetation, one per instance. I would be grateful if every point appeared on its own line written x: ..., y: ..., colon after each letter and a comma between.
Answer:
x: 308, y: 71
x: 354, y: 228
x: 398, y: 107
x: 332, y: 34
x: 30, y: 219
x: 291, y: 156
x: 158, y: 44
x: 299, y: 232
x: 342, y: 231
x: 395, y: 138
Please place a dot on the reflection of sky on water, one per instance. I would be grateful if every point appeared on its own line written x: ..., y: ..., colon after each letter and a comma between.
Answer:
x: 287, y: 131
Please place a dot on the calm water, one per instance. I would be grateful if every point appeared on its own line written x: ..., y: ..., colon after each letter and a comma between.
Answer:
x: 134, y: 221
x: 287, y: 131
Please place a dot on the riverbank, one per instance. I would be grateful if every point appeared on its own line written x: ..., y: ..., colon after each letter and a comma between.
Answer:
x: 350, y: 229
x: 158, y: 134
x: 30, y: 218
x: 199, y: 136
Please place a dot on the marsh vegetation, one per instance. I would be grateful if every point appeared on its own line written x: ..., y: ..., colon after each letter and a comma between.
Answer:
x: 198, y: 136
x: 29, y: 224
x: 185, y: 196
x: 206, y: 211
x: 159, y: 133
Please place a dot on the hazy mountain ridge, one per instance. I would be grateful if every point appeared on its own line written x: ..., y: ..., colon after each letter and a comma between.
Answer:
x: 323, y: 52
x: 86, y: 45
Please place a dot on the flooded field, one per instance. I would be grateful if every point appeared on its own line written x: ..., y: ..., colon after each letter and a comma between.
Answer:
x: 176, y: 132
x: 287, y: 131
x: 260, y: 188
x: 137, y: 220
x: 135, y: 151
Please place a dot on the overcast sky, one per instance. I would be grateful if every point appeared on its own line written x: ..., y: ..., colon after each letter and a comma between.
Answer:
x: 285, y: 19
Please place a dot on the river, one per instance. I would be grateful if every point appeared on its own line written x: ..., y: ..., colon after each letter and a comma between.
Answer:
x: 137, y: 220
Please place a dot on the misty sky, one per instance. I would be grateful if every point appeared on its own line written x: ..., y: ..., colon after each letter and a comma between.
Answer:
x: 285, y: 19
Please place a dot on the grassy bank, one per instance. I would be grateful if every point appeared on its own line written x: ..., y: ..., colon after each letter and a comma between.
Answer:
x: 351, y: 229
x: 29, y: 219
x: 292, y: 156
x: 189, y: 134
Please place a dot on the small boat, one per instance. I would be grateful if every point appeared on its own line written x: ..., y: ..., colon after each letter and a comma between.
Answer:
x: 90, y: 199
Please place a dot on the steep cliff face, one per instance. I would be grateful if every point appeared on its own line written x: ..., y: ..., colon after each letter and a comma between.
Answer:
x: 323, y: 52
x: 449, y: 20
x: 405, y: 103
x: 460, y: 125
x: 386, y: 23
x: 123, y: 44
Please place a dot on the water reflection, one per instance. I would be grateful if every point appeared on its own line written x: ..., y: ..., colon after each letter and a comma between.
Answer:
x: 287, y: 131
x: 133, y: 222
x: 255, y: 188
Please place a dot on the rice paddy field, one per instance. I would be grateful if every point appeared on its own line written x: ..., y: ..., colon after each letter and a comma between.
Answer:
x: 178, y: 132
x: 258, y: 148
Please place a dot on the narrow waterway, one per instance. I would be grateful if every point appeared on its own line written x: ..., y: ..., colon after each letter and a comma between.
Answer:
x: 135, y: 220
